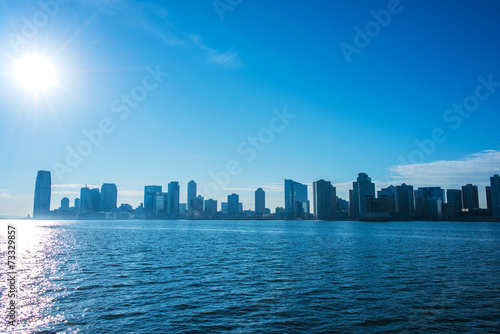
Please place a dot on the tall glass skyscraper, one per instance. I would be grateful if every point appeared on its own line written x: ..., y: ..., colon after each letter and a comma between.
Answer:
x: 325, y: 200
x: 191, y: 194
x: 296, y: 202
x: 173, y: 198
x: 495, y: 196
x: 41, y: 205
x: 150, y: 198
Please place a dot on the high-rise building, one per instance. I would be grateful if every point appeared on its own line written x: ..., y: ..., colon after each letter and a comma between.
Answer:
x: 41, y: 204
x: 495, y: 196
x: 390, y: 193
x: 210, y: 208
x: 428, y: 202
x: 470, y: 197
x: 353, y: 202
x: 150, y: 193
x: 404, y: 203
x: 488, y: 197
x: 325, y: 200
x: 77, y: 203
x: 90, y: 199
x: 454, y: 197
x: 233, y: 204
x: 365, y: 188
x: 260, y: 201
x: 64, y: 203
x: 109, y: 197
x: 173, y: 199
x: 296, y: 202
x: 191, y: 192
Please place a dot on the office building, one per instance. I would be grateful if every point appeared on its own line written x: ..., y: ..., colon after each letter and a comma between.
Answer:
x: 428, y: 202
x: 210, y: 208
x: 150, y: 193
x: 454, y: 198
x: 233, y: 204
x: 64, y: 203
x: 470, y: 197
x: 325, y: 200
x: 260, y: 202
x: 390, y: 193
x: 296, y: 202
x: 488, y: 198
x: 173, y: 199
x: 191, y: 192
x: 41, y: 204
x: 364, y: 188
x: 109, y: 197
x: 495, y: 196
x: 404, y: 203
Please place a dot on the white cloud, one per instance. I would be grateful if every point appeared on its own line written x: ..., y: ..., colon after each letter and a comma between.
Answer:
x: 75, y: 186
x: 475, y: 168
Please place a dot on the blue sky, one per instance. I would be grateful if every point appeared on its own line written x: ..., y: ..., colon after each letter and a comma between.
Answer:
x: 226, y: 81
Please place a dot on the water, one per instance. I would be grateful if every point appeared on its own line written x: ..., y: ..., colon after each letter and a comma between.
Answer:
x: 254, y: 277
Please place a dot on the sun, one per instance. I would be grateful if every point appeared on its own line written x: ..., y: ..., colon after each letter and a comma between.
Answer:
x: 35, y: 73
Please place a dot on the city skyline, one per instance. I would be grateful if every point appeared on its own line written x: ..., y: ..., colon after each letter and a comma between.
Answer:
x: 191, y: 92
x: 365, y: 203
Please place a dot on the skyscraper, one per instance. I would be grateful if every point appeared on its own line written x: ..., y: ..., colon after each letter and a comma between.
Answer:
x: 149, y: 199
x: 495, y: 196
x: 191, y: 192
x: 470, y: 197
x: 365, y: 188
x: 77, y: 203
x: 260, y: 201
x: 173, y: 198
x: 64, y: 203
x: 210, y: 208
x: 296, y: 202
x: 41, y: 204
x: 233, y: 204
x: 324, y: 199
x: 454, y: 197
x: 390, y: 193
x: 90, y: 199
x: 488, y: 197
x: 428, y: 202
x: 109, y: 197
x: 404, y: 203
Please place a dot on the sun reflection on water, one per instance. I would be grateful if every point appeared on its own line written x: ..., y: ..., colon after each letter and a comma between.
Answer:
x: 41, y: 252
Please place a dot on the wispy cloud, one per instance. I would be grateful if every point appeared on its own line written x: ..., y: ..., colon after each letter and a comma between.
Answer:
x: 154, y: 19
x: 5, y: 195
x: 123, y: 192
x: 475, y: 168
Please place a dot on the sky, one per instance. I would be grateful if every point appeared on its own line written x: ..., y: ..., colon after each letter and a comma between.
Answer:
x: 238, y: 95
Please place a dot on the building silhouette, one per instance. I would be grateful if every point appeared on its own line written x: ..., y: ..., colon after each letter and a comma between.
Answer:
x: 362, y: 188
x: 324, y: 200
x: 454, y: 197
x: 191, y: 193
x: 296, y: 202
x: 109, y: 197
x: 488, y: 198
x: 210, y: 208
x: 470, y: 197
x: 64, y: 203
x: 260, y: 202
x: 233, y: 205
x: 90, y: 199
x: 150, y: 193
x: 495, y: 196
x: 390, y: 193
x: 428, y: 202
x: 41, y: 204
x: 404, y: 202
x: 173, y: 199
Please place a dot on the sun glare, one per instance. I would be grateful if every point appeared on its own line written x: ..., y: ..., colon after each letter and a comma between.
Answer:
x: 35, y: 73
